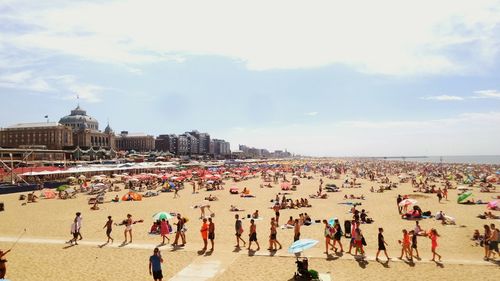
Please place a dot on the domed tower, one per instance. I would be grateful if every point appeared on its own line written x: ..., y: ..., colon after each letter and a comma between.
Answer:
x: 79, y: 120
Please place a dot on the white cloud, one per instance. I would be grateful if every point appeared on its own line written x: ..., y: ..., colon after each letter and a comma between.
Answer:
x: 387, y: 36
x: 24, y: 80
x: 443, y: 98
x: 487, y: 94
x: 60, y: 86
x: 312, y: 113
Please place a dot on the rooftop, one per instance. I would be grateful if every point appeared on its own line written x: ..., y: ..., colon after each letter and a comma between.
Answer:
x: 34, y: 125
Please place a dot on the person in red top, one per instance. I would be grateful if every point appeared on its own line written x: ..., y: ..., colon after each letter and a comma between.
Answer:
x: 164, y: 231
x: 433, y: 235
x: 405, y: 245
x: 204, y: 233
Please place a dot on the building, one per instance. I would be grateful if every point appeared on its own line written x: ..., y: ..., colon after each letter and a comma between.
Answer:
x: 182, y: 145
x: 203, y: 142
x: 86, y: 132
x: 192, y: 143
x: 50, y: 135
x: 222, y: 147
x: 137, y: 141
x: 166, y: 143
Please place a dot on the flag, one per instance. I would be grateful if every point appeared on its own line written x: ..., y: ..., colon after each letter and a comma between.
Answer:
x: 46, y: 116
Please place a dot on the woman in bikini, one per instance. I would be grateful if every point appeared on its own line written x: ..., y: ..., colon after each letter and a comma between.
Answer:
x: 128, y: 228
x: 328, y: 235
x: 337, y: 235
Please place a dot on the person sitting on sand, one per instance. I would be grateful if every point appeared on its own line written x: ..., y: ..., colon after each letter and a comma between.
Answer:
x: 116, y: 199
x: 155, y: 228
x: 290, y: 221
x: 245, y: 191
x: 255, y: 215
x: 95, y: 207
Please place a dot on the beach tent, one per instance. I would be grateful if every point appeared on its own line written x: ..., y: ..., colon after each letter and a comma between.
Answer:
x: 132, y: 196
x: 285, y: 186
x: 48, y: 194
x: 492, y: 205
x: 462, y: 197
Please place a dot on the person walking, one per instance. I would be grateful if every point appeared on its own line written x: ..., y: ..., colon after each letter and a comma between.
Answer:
x: 238, y: 228
x: 414, y: 244
x: 405, y: 245
x: 327, y: 232
x: 78, y: 220
x: 493, y: 241
x: 179, y: 229
x: 398, y: 200
x: 273, y: 241
x: 211, y: 233
x: 486, y: 241
x: 164, y: 230
x: 433, y: 235
x: 155, y: 265
x: 337, y: 236
x: 128, y: 228
x: 109, y: 228
x: 253, y: 235
x: 439, y: 194
x: 296, y: 230
x: 381, y: 244
x: 204, y: 233
x: 3, y: 267
x: 276, y: 209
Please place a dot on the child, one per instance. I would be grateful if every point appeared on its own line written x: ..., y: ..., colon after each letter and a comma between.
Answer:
x: 405, y: 245
x: 414, y: 244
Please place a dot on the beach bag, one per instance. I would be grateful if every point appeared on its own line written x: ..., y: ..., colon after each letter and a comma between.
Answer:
x: 169, y: 228
x: 363, y: 241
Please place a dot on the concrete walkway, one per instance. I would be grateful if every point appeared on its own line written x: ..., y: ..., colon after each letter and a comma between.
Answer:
x: 209, y: 265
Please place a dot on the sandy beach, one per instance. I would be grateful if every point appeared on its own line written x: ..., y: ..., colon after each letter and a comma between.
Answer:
x: 42, y: 254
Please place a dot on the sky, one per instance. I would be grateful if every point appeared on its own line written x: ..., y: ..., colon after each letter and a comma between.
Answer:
x: 318, y: 78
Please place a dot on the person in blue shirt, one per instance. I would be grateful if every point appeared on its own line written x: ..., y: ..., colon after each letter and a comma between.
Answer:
x: 155, y: 265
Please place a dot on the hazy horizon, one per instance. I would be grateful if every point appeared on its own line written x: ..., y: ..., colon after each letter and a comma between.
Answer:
x: 329, y: 78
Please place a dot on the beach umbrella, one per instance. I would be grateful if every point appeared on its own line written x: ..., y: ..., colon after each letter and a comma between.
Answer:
x: 162, y: 215
x: 82, y: 177
x: 464, y: 196
x: 285, y: 185
x: 331, y: 221
x: 62, y: 187
x: 407, y: 202
x: 71, y: 178
x: 301, y: 245
x: 492, y: 205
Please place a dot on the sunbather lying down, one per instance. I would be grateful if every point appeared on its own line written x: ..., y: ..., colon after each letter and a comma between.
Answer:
x: 488, y: 215
x: 247, y: 195
x: 211, y: 198
x: 235, y: 209
x: 322, y: 196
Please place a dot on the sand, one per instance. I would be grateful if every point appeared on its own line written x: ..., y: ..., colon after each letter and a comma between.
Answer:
x: 51, y: 219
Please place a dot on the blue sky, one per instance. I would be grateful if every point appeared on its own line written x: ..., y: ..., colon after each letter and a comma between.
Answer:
x: 326, y: 78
